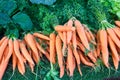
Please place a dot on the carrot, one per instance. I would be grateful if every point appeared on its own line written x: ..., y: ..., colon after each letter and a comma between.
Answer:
x: 69, y: 33
x: 60, y: 55
x: 60, y: 35
x: 1, y: 41
x: 2, y: 47
x: 95, y: 53
x: 83, y: 60
x: 3, y: 67
x: 81, y: 34
x: 10, y: 44
x: 25, y: 53
x: 113, y: 37
x: 29, y: 38
x: 115, y: 55
x: 64, y: 28
x: 31, y: 65
x: 117, y: 31
x: 117, y: 23
x: 70, y: 61
x: 52, y: 48
x: 75, y: 48
x: 64, y: 43
x: 104, y: 47
x: 41, y: 36
x: 34, y: 57
x: 5, y: 53
x: 20, y: 69
x: 18, y: 54
x: 14, y: 60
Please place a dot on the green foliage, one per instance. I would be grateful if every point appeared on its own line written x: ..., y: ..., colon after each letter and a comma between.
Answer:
x: 46, y: 2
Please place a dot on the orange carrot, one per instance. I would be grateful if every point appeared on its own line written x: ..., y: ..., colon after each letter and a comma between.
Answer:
x: 117, y: 23
x: 52, y: 48
x: 117, y: 31
x: 60, y: 55
x: 2, y: 47
x: 60, y: 35
x: 25, y: 53
x: 14, y: 60
x: 10, y: 44
x: 81, y: 34
x: 20, y: 69
x: 115, y: 55
x: 41, y: 36
x: 31, y: 65
x: 29, y: 38
x: 18, y: 54
x: 104, y: 47
x: 83, y: 60
x: 113, y: 36
x: 64, y: 28
x: 69, y: 33
x: 64, y: 43
x: 1, y: 41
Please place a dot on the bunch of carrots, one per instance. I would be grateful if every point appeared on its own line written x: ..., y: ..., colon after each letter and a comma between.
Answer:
x: 70, y: 45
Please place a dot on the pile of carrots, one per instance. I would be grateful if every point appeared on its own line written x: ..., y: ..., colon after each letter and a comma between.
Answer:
x: 70, y: 45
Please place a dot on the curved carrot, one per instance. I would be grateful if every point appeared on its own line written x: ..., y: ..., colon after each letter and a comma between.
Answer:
x: 83, y: 60
x: 10, y: 45
x: 81, y: 34
x: 29, y: 38
x: 64, y: 28
x: 104, y: 47
x: 52, y: 48
x: 115, y: 55
x: 18, y: 54
x: 25, y: 53
x: 59, y: 55
x: 113, y: 36
x: 2, y: 47
x: 41, y: 36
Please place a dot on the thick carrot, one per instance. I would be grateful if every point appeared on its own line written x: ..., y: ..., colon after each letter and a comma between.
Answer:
x: 3, y: 67
x: 3, y: 46
x: 83, y: 60
x: 115, y: 55
x: 1, y: 41
x: 70, y: 61
x: 29, y: 38
x: 104, y: 47
x: 18, y: 54
x: 41, y: 36
x: 10, y: 45
x: 64, y: 28
x: 69, y: 33
x: 60, y: 35
x: 117, y: 23
x: 113, y: 36
x: 64, y: 49
x: 81, y: 34
x: 20, y: 69
x: 25, y: 53
x: 52, y: 48
x: 117, y: 31
x: 60, y: 55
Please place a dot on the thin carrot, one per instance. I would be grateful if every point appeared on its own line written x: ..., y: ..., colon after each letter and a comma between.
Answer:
x: 10, y: 45
x: 113, y: 36
x: 64, y: 49
x: 25, y: 53
x: 81, y: 34
x: 18, y: 54
x: 60, y: 35
x: 41, y: 36
x: 3, y: 46
x: 104, y: 47
x: 83, y: 60
x: 64, y: 28
x: 60, y: 55
x: 20, y: 69
x: 31, y: 65
x: 115, y: 55
x: 52, y: 48
x: 29, y: 38
x: 14, y: 60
